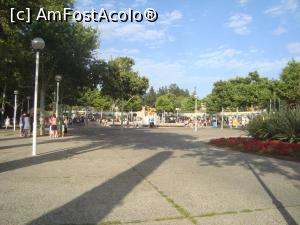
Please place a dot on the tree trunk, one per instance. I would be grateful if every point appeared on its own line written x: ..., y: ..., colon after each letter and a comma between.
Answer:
x: 3, y: 106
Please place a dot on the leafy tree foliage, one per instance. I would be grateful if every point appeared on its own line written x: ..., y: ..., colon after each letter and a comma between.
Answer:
x: 290, y: 82
x: 241, y: 92
x: 121, y: 82
x: 94, y: 98
x: 166, y: 103
x: 135, y: 104
x: 188, y: 104
x: 150, y: 97
x: 68, y: 52
x: 172, y: 89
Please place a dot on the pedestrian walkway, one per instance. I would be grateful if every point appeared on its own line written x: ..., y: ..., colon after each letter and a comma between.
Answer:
x: 143, y: 176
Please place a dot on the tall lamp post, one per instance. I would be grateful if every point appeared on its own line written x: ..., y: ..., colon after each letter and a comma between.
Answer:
x: 28, y: 98
x: 177, y: 110
x: 58, y: 79
x: 15, y: 108
x: 37, y: 44
x: 196, y: 120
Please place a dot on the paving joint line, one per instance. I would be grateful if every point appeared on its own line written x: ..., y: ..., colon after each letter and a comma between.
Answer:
x: 212, y: 214
x: 181, y: 210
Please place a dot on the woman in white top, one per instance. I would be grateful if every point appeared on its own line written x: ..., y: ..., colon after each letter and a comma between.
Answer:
x: 7, y: 122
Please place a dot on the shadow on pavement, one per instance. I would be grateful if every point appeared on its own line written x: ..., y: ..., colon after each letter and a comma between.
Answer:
x: 99, y: 139
x: 162, y: 140
x: 92, y: 206
x: 285, y: 214
x: 157, y: 139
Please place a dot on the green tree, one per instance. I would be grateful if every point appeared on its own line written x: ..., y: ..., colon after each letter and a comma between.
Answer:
x: 166, y: 103
x: 135, y: 104
x: 290, y: 82
x: 68, y: 52
x: 67, y: 58
x: 94, y: 98
x: 172, y: 89
x: 175, y: 90
x: 188, y: 104
x: 122, y: 83
x: 241, y: 92
x: 150, y: 97
x: 162, y: 91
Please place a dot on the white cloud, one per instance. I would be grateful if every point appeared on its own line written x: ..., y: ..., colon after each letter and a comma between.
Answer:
x: 243, y: 2
x: 294, y: 47
x: 239, y: 61
x: 131, y: 32
x: 113, y: 52
x: 279, y: 30
x: 139, y: 2
x: 161, y: 73
x: 239, y: 23
x: 201, y: 70
x: 284, y: 7
x: 219, y: 58
x: 269, y: 65
x: 170, y: 17
x: 86, y: 2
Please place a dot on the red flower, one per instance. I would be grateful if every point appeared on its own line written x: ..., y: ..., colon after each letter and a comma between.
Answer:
x: 250, y: 144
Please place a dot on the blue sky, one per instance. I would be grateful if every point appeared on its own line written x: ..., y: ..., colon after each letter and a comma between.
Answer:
x: 195, y: 43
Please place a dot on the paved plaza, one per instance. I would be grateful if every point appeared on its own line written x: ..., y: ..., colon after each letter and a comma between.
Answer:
x: 165, y: 176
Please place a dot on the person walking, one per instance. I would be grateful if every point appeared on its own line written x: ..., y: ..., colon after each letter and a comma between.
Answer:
x: 54, y: 126
x: 21, y: 124
x: 65, y: 125
x: 26, y: 125
x: 50, y: 127
x: 7, y: 122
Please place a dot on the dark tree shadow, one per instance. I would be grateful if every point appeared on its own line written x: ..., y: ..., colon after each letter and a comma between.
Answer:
x: 211, y: 156
x: 5, y: 147
x: 92, y: 206
x: 99, y: 139
x: 162, y: 140
x: 285, y: 214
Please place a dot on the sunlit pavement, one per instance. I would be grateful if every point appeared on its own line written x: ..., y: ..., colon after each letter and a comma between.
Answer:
x: 142, y: 176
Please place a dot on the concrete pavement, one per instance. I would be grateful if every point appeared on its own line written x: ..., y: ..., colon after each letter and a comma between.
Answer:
x: 143, y: 176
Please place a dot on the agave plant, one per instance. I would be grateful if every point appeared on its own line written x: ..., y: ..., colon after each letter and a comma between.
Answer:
x: 282, y: 125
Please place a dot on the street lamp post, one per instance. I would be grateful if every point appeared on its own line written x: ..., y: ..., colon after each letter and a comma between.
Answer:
x: 15, y: 108
x: 58, y: 79
x: 28, y: 98
x: 196, y: 121
x: 222, y: 119
x: 37, y: 44
x: 54, y: 101
x: 177, y: 110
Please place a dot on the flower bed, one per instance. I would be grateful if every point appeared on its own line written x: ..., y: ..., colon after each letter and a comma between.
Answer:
x: 259, y: 146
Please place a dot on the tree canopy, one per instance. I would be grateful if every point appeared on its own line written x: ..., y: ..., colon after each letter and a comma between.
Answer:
x: 289, y: 85
x: 121, y: 81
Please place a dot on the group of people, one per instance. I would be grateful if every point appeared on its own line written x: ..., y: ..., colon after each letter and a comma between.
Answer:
x: 25, y: 124
x: 190, y: 123
x: 58, y: 126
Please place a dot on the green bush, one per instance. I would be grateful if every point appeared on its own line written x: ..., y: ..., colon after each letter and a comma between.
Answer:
x: 282, y: 125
